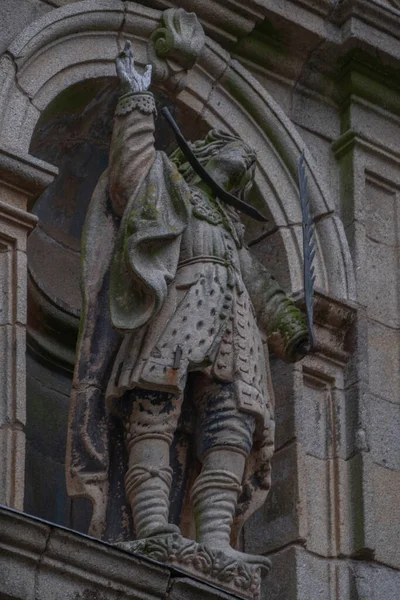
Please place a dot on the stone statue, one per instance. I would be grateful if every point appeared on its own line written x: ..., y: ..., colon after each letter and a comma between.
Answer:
x: 175, y: 314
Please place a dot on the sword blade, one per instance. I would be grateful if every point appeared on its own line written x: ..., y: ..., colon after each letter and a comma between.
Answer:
x: 308, y: 251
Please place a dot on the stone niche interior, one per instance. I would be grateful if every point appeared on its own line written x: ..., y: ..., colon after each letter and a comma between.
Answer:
x: 74, y: 134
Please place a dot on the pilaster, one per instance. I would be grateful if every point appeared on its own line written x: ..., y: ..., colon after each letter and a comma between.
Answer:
x: 308, y: 500
x: 22, y: 179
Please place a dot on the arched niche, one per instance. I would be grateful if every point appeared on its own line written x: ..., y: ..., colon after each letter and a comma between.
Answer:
x: 78, y: 43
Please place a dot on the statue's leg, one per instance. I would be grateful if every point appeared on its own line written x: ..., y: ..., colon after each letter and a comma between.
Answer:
x: 224, y: 440
x: 149, y: 432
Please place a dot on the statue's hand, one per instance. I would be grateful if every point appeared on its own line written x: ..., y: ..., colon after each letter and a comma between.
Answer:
x: 130, y: 79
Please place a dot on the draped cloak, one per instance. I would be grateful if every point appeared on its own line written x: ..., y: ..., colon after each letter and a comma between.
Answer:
x: 131, y: 249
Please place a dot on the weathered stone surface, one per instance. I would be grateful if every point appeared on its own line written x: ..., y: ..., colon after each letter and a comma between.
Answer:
x: 383, y: 432
x: 386, y: 517
x: 384, y: 361
x: 282, y: 520
x: 291, y: 76
x: 381, y: 214
x: 46, y: 562
x: 374, y: 581
x: 314, y: 577
x: 184, y: 588
x: 286, y: 381
x: 382, y: 285
x: 13, y: 19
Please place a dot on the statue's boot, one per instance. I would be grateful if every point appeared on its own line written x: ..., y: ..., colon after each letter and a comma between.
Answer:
x: 147, y: 489
x: 214, y: 495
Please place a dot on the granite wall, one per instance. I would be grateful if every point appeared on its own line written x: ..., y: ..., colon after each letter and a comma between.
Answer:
x: 284, y: 75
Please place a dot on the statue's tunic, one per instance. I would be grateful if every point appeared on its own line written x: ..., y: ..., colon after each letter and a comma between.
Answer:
x: 206, y: 321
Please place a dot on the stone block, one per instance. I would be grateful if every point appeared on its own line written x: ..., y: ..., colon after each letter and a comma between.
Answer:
x: 73, y: 562
x: 384, y: 361
x: 310, y: 114
x: 13, y: 21
x: 281, y: 582
x: 381, y: 213
x: 382, y: 284
x: 314, y: 417
x: 282, y: 519
x: 318, y: 578
x: 19, y: 119
x: 21, y: 276
x: 383, y: 432
x: 6, y: 387
x: 320, y: 148
x: 356, y: 369
x: 286, y: 382
x: 358, y: 533
x: 299, y: 575
x: 386, y: 517
x: 318, y: 506
x: 22, y: 541
x: 43, y: 562
x: 357, y: 420
x: 19, y: 366
x: 186, y: 588
x: 372, y: 581
x: 12, y: 465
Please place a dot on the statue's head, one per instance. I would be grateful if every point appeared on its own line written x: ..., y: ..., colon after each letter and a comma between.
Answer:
x: 229, y: 161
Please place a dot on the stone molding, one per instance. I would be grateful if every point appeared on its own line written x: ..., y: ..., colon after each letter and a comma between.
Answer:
x: 46, y: 561
x: 353, y: 139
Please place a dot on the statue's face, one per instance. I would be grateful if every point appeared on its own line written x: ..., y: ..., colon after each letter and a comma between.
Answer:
x: 233, y: 167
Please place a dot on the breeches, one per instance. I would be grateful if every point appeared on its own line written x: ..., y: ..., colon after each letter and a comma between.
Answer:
x: 217, y: 420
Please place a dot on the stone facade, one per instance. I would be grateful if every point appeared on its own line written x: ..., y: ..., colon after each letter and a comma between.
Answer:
x: 284, y: 76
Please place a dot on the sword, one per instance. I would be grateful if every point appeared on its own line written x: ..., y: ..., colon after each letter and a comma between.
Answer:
x: 308, y: 252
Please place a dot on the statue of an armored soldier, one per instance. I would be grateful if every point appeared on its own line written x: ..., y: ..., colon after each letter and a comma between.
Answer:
x: 176, y: 316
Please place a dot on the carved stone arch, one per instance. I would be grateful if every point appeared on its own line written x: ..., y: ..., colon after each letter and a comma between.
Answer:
x: 80, y: 41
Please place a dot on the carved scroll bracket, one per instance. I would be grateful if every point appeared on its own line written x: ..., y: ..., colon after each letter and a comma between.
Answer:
x: 333, y: 319
x: 175, y: 46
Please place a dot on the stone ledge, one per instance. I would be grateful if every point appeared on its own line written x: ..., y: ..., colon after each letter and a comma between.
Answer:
x: 25, y: 172
x: 45, y: 561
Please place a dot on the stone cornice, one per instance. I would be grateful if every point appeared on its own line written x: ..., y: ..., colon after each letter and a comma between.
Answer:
x: 350, y: 139
x: 325, y: 36
x: 225, y: 21
x: 56, y: 562
x: 24, y: 172
x: 17, y: 217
